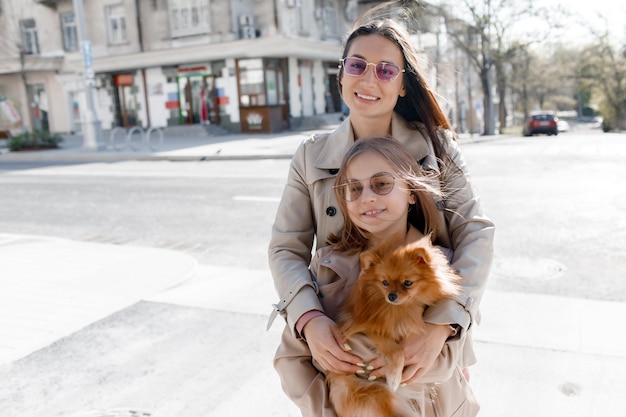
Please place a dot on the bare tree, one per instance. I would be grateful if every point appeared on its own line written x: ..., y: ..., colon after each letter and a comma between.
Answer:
x: 603, y: 67
x: 491, y: 33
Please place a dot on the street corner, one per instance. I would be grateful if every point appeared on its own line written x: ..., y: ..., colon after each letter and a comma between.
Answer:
x: 52, y: 287
x: 93, y: 266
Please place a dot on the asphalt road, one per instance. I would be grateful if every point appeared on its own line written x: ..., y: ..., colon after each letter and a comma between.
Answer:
x: 558, y: 204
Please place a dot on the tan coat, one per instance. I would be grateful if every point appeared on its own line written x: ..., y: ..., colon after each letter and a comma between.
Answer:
x: 441, y: 392
x: 308, y: 213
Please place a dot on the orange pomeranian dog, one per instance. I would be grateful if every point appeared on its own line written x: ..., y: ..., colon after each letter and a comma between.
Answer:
x: 386, y: 304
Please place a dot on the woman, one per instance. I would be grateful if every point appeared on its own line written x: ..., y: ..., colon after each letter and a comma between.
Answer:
x: 387, y: 96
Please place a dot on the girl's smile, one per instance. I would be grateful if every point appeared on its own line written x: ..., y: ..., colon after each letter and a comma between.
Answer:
x: 373, y: 213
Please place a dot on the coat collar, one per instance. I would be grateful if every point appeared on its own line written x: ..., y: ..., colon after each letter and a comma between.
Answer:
x: 342, y: 138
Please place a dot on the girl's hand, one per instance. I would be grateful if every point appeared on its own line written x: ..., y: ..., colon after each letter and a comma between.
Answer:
x: 420, y: 352
x: 325, y: 342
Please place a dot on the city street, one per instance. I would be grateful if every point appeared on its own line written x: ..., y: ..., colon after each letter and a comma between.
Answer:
x: 560, y: 210
x: 558, y: 204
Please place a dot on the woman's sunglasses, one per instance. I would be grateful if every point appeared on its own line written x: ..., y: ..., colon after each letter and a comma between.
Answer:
x: 357, y: 66
x: 381, y: 183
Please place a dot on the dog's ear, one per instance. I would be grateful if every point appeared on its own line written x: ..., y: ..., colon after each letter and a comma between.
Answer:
x: 419, y: 250
x: 419, y: 255
x: 369, y: 258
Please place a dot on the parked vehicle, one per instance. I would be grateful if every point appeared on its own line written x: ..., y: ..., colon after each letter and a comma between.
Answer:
x: 562, y: 126
x: 541, y: 123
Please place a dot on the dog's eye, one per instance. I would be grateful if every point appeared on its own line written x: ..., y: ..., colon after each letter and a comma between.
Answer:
x: 385, y: 283
x: 407, y: 283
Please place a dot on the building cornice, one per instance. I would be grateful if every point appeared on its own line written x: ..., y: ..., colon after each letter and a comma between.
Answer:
x: 267, y: 47
x: 32, y: 63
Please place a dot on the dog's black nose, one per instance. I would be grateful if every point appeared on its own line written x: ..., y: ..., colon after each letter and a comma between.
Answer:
x: 392, y: 297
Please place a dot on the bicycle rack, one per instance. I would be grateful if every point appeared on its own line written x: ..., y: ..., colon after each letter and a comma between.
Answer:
x: 149, y: 136
x: 112, y: 142
x: 135, y: 138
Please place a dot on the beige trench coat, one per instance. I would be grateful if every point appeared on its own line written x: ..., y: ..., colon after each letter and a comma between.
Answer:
x: 308, y: 213
x: 442, y: 392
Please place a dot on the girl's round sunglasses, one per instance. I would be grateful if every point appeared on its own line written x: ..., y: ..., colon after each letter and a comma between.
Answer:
x: 356, y: 67
x: 380, y: 183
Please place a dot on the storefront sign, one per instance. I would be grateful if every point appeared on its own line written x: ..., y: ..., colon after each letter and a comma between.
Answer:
x: 124, y: 79
x: 255, y: 120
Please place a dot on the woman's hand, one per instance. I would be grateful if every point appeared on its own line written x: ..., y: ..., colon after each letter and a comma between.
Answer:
x: 325, y: 342
x: 420, y: 352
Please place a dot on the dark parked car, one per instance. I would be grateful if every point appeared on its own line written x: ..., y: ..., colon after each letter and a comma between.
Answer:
x: 546, y: 123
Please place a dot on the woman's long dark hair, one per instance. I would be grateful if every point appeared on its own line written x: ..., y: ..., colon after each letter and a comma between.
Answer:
x: 418, y: 107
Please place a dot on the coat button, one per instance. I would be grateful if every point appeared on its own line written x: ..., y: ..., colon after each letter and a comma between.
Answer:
x: 333, y: 171
x: 331, y: 211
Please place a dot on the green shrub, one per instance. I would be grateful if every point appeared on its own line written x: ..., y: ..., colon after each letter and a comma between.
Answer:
x: 35, y: 140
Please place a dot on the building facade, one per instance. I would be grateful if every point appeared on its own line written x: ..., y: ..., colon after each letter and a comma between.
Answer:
x: 242, y: 64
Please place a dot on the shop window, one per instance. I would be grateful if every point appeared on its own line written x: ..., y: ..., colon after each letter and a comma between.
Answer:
x: 126, y: 105
x: 189, y: 17
x: 28, y: 29
x: 116, y: 24
x: 38, y: 100
x: 261, y: 82
x: 70, y: 33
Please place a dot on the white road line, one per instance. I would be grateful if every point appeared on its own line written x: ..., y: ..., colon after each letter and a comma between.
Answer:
x: 256, y: 198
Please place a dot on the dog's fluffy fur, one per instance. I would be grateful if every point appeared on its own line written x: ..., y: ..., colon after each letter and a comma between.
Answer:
x: 386, y: 304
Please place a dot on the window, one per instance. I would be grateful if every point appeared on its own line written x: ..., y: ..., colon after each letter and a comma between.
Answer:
x: 189, y: 17
x: 70, y: 34
x: 329, y: 19
x: 158, y: 4
x: 116, y: 24
x: 251, y: 83
x: 261, y: 82
x: 29, y: 36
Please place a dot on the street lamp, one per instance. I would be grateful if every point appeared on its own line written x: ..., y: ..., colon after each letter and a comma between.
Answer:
x: 91, y: 126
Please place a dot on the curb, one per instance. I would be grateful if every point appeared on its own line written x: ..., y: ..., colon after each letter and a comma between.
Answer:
x: 126, y: 157
x: 68, y: 155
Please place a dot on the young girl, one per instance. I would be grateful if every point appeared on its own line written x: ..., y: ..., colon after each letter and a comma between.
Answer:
x: 384, y: 196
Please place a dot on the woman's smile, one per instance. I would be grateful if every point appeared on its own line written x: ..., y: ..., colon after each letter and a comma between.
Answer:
x: 366, y: 97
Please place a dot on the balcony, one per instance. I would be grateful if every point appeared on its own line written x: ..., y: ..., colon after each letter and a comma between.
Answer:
x: 50, y: 3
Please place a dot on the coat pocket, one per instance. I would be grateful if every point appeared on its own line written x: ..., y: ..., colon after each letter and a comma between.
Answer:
x: 454, y: 398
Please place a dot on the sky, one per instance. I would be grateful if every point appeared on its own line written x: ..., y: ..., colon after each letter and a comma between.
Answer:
x: 582, y: 13
x: 588, y: 10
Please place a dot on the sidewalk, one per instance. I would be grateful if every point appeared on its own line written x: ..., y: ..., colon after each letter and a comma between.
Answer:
x: 175, y: 148
x: 185, y: 148
x: 95, y: 330
x: 84, y: 319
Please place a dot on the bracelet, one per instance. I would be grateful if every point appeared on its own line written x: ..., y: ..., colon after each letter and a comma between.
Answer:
x: 305, y: 318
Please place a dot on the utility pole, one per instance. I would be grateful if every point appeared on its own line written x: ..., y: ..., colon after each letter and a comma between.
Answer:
x: 92, y: 132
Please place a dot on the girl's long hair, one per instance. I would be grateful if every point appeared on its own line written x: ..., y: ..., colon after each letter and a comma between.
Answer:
x: 418, y: 107
x: 422, y: 185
